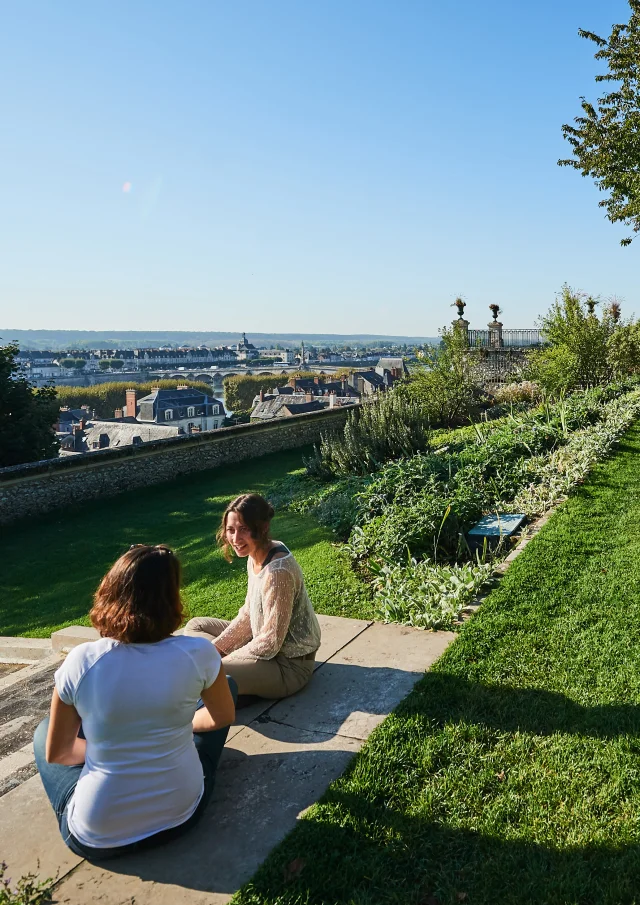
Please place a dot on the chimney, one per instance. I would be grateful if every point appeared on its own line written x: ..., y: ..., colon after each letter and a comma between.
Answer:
x: 316, y: 380
x: 77, y: 438
x: 85, y: 408
x: 292, y: 382
x: 308, y: 397
x: 118, y: 414
x: 261, y: 395
x: 82, y: 424
x: 332, y: 399
x: 182, y: 386
x: 131, y: 402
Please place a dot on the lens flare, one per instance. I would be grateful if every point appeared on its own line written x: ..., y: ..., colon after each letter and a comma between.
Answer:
x: 126, y: 188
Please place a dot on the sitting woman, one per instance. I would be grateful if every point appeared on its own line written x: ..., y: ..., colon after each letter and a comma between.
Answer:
x: 270, y: 647
x: 129, y: 754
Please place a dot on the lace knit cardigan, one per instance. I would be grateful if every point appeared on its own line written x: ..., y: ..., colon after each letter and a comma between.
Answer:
x: 277, y: 616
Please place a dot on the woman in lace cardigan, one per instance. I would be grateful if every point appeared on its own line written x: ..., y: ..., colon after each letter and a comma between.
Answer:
x: 270, y: 647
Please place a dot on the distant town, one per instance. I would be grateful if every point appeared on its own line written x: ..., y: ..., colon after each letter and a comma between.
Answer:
x: 164, y: 392
x: 78, y: 366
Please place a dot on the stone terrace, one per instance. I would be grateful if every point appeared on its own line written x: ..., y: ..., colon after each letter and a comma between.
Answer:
x: 279, y: 759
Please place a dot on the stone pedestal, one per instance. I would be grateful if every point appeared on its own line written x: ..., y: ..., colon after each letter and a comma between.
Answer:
x: 495, y: 335
x: 462, y: 326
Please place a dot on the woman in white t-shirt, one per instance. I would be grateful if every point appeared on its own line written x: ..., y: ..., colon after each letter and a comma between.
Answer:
x: 138, y: 719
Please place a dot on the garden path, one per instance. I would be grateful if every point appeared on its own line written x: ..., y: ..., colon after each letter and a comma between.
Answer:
x: 279, y: 759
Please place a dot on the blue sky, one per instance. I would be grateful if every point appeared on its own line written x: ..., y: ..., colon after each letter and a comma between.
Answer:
x: 339, y: 166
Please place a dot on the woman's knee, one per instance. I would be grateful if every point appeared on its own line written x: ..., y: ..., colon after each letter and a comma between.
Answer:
x: 195, y: 624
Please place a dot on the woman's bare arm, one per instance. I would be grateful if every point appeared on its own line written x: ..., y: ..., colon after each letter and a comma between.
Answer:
x: 219, y: 710
x: 63, y: 745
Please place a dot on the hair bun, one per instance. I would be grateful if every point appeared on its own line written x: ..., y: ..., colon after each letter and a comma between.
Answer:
x: 270, y: 510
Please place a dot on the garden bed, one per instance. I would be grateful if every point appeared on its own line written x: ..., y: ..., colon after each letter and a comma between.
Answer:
x: 510, y: 773
x: 405, y: 522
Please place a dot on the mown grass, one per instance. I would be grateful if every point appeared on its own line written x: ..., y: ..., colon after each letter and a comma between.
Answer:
x: 512, y: 773
x: 51, y: 566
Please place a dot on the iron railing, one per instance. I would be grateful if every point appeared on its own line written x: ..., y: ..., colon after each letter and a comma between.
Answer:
x: 510, y: 339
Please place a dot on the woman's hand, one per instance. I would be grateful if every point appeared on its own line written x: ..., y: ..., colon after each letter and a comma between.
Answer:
x: 219, y: 710
x: 63, y: 745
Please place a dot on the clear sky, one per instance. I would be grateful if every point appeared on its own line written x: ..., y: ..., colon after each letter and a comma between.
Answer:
x: 340, y: 166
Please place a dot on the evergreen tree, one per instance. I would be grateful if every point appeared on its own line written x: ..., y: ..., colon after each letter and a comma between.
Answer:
x: 27, y: 414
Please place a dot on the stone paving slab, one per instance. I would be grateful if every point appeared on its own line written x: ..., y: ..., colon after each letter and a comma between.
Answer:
x: 336, y: 633
x: 341, y: 701
x: 267, y: 776
x: 29, y: 837
x: 271, y: 770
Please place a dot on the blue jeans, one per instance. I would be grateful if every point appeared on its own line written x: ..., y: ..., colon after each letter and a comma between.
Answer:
x: 60, y: 781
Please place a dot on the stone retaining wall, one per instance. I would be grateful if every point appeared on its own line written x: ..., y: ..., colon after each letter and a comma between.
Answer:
x: 27, y: 490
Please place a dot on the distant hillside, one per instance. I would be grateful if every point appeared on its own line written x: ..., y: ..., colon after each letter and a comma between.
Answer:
x: 131, y: 339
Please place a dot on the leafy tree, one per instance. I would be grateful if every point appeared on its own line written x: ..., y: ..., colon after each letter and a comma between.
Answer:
x: 605, y: 139
x: 624, y: 350
x: 444, y: 386
x: 27, y: 414
x: 578, y: 348
x: 111, y: 364
x: 77, y: 363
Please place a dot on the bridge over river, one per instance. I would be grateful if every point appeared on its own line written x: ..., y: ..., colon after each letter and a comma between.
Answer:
x: 280, y: 371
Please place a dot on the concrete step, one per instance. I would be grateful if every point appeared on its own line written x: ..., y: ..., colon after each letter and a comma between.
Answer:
x: 24, y: 650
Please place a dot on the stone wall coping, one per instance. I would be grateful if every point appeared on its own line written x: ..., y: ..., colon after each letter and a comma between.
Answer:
x: 101, y: 457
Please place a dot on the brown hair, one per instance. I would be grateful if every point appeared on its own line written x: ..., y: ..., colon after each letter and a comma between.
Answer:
x: 256, y: 513
x: 138, y: 601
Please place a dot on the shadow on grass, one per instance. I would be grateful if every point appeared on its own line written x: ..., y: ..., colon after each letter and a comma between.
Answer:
x: 408, y: 860
x: 360, y: 846
x: 441, y: 698
x: 394, y: 840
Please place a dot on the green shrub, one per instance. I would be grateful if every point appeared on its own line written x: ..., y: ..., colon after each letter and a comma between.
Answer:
x: 426, y: 595
x: 445, y: 388
x: 583, y: 350
x: 423, y: 506
x: 389, y: 427
x: 105, y: 398
x: 334, y: 505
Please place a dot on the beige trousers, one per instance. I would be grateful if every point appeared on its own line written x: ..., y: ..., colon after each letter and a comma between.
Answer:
x: 275, y: 678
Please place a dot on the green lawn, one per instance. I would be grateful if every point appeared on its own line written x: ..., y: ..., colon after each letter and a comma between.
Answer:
x: 512, y: 773
x: 52, y: 565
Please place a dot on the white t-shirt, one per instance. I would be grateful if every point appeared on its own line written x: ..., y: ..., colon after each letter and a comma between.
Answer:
x: 142, y: 772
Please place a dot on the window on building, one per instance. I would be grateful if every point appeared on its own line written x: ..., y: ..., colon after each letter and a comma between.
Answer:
x: 168, y: 415
x: 191, y: 412
x: 216, y: 409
